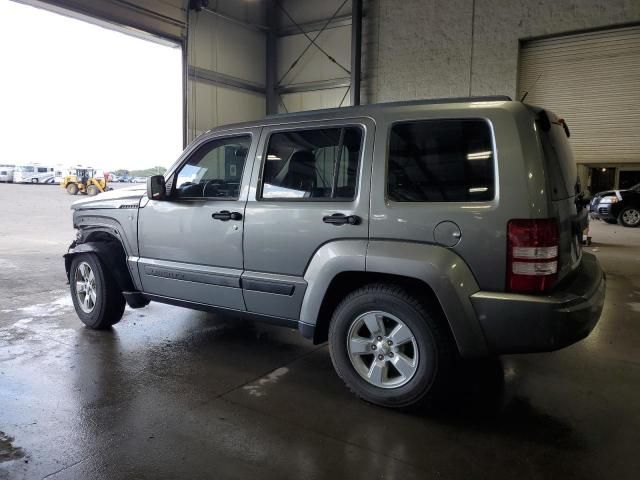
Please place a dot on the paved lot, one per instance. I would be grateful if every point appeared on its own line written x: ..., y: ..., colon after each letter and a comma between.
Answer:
x: 170, y: 393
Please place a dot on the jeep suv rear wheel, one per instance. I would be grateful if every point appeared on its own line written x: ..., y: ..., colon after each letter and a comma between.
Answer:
x: 388, y: 348
x: 96, y: 297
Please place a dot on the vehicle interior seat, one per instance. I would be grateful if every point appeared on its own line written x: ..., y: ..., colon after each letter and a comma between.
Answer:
x: 301, y: 174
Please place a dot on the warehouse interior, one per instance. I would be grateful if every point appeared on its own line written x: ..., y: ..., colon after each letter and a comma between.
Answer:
x: 246, y: 59
x: 157, y: 401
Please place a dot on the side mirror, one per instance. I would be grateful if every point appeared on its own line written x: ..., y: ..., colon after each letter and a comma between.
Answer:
x: 156, y: 188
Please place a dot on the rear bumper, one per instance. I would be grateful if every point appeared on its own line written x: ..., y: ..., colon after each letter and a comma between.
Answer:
x: 515, y: 323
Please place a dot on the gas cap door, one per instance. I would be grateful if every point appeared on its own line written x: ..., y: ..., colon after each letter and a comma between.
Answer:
x: 447, y: 233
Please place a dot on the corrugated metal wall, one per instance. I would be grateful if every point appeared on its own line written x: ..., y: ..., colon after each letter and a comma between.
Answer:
x: 314, y: 67
x: 220, y: 45
x: 592, y: 81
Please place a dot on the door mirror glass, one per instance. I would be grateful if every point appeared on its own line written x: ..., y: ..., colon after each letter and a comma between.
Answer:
x: 156, y: 188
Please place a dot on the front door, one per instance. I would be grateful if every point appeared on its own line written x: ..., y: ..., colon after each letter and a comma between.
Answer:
x: 191, y: 242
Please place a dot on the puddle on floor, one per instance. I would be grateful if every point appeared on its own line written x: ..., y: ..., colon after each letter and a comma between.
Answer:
x: 256, y: 389
x: 51, y: 309
x: 7, y: 450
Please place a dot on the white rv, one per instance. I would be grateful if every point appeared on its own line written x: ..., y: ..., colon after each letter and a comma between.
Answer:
x: 6, y: 173
x: 33, y: 173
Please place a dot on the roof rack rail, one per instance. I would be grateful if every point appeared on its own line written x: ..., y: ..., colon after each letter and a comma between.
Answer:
x: 433, y: 101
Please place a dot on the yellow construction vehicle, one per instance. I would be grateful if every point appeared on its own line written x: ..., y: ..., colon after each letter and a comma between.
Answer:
x: 84, y: 181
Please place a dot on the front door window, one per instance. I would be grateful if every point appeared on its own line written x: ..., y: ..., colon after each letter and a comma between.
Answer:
x: 214, y: 171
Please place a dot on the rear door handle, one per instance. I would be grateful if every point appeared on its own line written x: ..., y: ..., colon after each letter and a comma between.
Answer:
x: 226, y: 215
x: 341, y: 219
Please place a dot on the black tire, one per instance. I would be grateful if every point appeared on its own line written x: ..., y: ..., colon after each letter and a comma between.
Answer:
x: 72, y: 189
x: 92, y: 190
x: 109, y: 303
x: 436, y: 355
x: 611, y: 221
x: 34, y: 180
x: 629, y: 217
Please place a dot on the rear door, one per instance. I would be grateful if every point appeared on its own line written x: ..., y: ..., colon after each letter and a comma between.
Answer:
x: 311, y: 187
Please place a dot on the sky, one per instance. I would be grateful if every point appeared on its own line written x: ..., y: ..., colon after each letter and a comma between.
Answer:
x: 75, y: 93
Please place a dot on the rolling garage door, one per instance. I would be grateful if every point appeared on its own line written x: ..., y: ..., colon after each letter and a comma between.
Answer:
x: 592, y: 81
x: 164, y: 18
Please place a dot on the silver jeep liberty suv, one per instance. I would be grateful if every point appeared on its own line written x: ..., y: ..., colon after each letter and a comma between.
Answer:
x: 406, y: 234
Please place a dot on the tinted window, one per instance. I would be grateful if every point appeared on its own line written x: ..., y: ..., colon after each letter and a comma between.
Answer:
x: 441, y: 161
x: 312, y: 164
x: 214, y: 170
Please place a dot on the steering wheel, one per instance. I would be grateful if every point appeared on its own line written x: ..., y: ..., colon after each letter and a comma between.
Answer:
x: 215, y: 181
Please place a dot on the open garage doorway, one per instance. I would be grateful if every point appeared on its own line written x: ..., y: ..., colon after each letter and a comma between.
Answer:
x: 77, y: 92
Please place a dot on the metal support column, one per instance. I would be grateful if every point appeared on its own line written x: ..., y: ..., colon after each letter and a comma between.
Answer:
x: 272, y: 68
x: 356, y: 50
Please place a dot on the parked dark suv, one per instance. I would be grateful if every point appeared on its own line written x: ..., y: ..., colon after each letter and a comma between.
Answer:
x: 405, y: 234
x: 617, y: 206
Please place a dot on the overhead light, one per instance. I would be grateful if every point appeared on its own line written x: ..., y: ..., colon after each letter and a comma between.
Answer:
x: 273, y: 157
x: 604, y: 169
x: 479, y: 155
x: 478, y: 189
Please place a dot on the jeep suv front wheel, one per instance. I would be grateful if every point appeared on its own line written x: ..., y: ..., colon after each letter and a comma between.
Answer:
x: 388, y: 348
x: 96, y: 297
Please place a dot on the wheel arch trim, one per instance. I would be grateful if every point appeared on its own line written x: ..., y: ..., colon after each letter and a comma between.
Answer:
x: 108, y: 253
x: 441, y: 269
x: 446, y: 274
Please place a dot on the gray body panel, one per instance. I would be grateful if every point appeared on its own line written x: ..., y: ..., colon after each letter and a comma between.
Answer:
x: 114, y: 213
x: 482, y: 242
x: 281, y: 236
x: 184, y: 252
x: 274, y: 295
x: 329, y: 261
x: 281, y: 258
x: 448, y: 276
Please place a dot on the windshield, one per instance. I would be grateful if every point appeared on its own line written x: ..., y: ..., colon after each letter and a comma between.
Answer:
x: 24, y: 169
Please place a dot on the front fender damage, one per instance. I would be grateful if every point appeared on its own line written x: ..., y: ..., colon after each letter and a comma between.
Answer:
x: 112, y: 257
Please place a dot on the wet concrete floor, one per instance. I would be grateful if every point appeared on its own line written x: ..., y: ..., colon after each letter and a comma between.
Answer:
x: 171, y: 393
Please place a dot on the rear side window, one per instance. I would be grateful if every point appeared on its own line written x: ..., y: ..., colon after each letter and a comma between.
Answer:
x: 441, y: 161
x: 318, y: 164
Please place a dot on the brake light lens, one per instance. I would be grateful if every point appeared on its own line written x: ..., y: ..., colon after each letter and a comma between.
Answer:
x: 532, y: 255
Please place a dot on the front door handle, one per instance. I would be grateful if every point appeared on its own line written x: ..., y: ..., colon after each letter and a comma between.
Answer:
x: 341, y: 219
x: 226, y: 215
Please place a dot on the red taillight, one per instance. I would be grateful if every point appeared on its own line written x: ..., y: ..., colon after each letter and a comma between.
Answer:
x: 532, y: 255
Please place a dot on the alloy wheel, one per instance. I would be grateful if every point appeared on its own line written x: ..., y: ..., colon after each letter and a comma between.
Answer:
x: 631, y: 216
x: 85, y: 287
x: 382, y: 349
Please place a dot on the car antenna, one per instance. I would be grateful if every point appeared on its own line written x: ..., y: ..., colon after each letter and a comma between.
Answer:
x: 527, y: 92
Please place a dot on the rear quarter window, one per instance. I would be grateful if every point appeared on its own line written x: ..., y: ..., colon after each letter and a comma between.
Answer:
x: 449, y: 160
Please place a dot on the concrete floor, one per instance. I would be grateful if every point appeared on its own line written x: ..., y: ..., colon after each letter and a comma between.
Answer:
x: 170, y: 393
